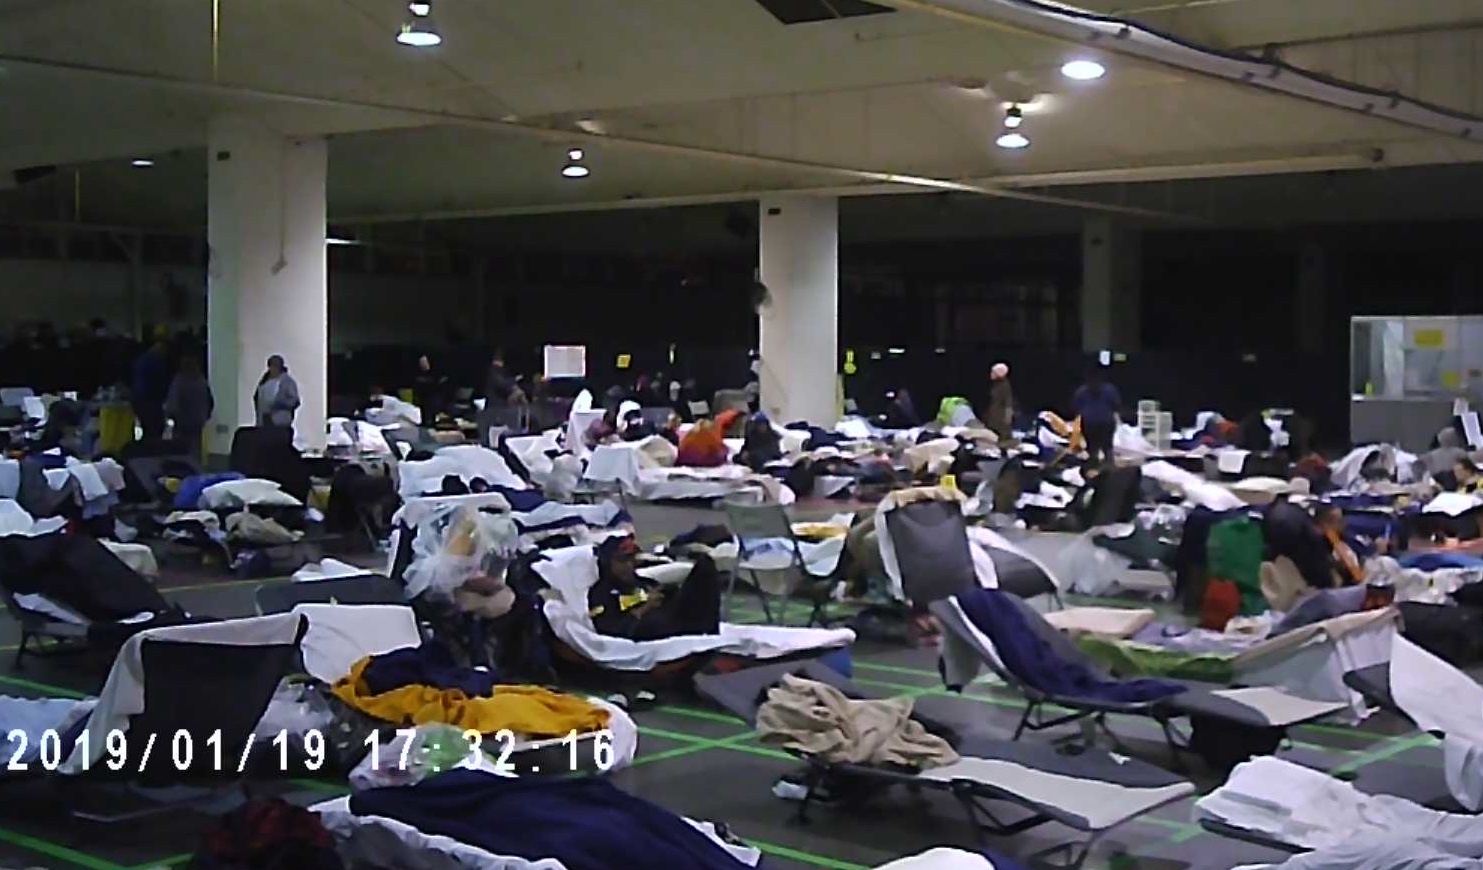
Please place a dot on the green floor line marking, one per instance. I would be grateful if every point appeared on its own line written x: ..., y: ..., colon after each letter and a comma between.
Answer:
x: 224, y: 584
x: 803, y: 857
x: 56, y: 850
x: 681, y: 737
x: 693, y: 713
x: 1393, y: 747
x: 50, y: 690
x: 1303, y: 744
x: 895, y: 669
x: 678, y: 751
x: 164, y: 862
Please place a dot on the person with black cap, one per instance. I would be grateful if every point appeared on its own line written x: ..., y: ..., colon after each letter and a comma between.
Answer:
x: 624, y: 604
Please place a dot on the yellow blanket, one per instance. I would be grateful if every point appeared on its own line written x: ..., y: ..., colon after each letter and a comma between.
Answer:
x: 527, y: 710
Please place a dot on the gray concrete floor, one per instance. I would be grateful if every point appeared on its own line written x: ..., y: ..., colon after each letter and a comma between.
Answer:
x: 701, y: 762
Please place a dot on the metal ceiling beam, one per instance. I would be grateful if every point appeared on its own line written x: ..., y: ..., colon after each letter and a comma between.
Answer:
x: 1101, y: 34
x: 572, y: 136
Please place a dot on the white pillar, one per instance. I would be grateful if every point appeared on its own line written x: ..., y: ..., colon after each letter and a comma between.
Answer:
x: 800, y: 325
x: 1111, y: 275
x: 266, y: 274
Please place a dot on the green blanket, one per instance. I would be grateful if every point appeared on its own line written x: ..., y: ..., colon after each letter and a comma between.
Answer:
x: 1125, y: 658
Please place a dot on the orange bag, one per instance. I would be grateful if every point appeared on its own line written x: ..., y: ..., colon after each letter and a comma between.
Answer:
x: 1222, y: 602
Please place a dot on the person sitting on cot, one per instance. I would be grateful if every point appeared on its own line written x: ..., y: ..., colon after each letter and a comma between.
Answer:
x: 603, y: 431
x: 624, y: 604
x: 702, y: 447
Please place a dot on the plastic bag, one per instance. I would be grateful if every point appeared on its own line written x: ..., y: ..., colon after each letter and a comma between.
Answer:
x: 451, y: 546
x: 434, y: 748
x: 1091, y: 569
x: 295, y: 708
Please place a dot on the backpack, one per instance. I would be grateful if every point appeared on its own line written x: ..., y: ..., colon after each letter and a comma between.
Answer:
x: 267, y: 835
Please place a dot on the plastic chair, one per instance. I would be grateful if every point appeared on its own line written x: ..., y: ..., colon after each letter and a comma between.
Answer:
x: 770, y: 570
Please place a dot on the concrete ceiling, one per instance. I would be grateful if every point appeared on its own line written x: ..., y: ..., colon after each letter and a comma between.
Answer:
x: 692, y: 101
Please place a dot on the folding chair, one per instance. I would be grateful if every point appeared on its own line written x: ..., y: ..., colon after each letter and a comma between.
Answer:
x: 771, y: 556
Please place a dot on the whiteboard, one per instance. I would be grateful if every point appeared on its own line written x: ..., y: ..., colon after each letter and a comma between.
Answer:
x: 566, y: 361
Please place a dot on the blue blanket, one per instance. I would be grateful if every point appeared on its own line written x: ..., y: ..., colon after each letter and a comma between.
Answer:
x: 586, y: 824
x: 188, y: 497
x: 430, y: 665
x: 1030, y: 658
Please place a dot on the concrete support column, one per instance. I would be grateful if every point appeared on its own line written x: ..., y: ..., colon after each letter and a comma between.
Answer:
x: 1312, y: 301
x: 799, y: 330
x: 267, y: 289
x: 1111, y: 278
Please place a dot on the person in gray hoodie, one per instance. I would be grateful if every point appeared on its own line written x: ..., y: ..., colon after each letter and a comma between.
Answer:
x: 189, y: 403
x: 277, y: 395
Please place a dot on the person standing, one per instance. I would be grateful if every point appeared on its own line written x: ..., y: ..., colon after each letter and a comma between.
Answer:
x: 189, y: 403
x: 498, y: 385
x: 429, y: 390
x: 148, y: 384
x: 1096, y: 403
x: 277, y: 396
x: 1000, y: 418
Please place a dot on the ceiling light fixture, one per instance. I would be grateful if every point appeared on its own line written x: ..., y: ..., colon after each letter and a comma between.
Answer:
x: 419, y: 31
x: 1013, y: 117
x: 1012, y: 141
x: 141, y: 162
x: 333, y: 240
x: 574, y: 167
x: 1083, y: 70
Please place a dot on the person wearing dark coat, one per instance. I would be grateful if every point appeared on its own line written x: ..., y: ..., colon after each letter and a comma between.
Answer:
x: 1000, y: 416
x: 499, y: 387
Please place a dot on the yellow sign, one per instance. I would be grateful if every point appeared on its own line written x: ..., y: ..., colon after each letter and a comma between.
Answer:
x: 1429, y: 339
x: 849, y: 362
x: 624, y: 361
x: 1451, y: 381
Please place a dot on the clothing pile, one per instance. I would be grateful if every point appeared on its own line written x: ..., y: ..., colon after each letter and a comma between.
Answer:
x: 422, y: 685
x: 819, y: 720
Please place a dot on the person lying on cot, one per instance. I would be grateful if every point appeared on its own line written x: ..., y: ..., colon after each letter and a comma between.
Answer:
x: 624, y: 604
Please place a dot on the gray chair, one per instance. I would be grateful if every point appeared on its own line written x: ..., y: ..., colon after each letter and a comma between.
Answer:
x: 769, y: 554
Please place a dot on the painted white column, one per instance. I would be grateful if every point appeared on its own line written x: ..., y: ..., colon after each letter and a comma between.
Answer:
x: 1111, y: 275
x: 267, y: 290
x: 799, y: 239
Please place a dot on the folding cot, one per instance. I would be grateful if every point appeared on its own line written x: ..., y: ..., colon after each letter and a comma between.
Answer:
x: 69, y: 592
x: 1281, y: 805
x: 966, y: 648
x: 1090, y: 791
x: 1439, y: 699
x: 203, y: 685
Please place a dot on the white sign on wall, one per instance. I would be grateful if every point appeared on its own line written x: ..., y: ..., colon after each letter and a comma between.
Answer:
x: 566, y: 361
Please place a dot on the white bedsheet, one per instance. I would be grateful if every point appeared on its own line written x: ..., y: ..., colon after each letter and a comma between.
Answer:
x: 1441, y: 698
x: 339, y: 635
x: 380, y: 841
x: 250, y: 491
x: 571, y: 571
x: 1193, y: 487
x: 940, y: 858
x: 1310, y: 809
x: 123, y: 692
x: 14, y: 520
x: 465, y: 461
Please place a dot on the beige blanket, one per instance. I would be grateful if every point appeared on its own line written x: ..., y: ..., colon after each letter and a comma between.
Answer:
x: 817, y: 719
